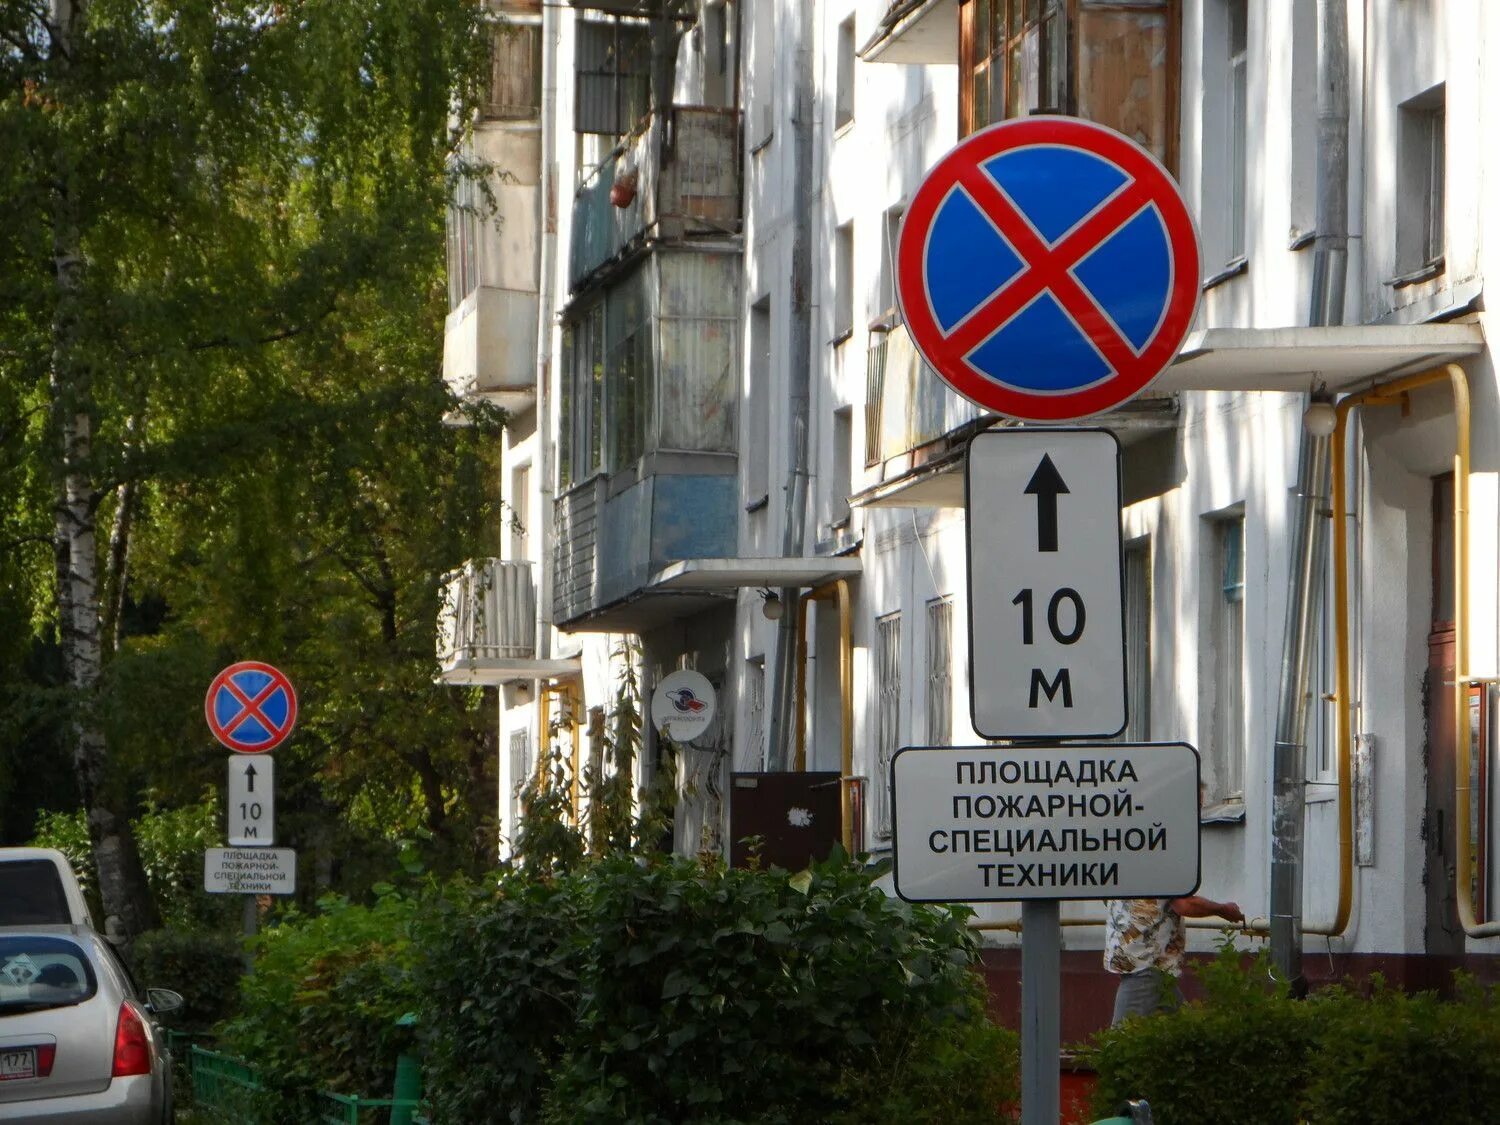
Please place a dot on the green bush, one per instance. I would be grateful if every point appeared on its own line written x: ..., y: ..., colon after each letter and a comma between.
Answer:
x: 640, y: 991
x: 498, y: 984
x: 204, y: 967
x: 1248, y: 1052
x: 1406, y: 1058
x: 320, y: 1009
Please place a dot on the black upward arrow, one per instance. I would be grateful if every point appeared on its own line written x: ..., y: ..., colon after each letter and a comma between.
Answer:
x: 1046, y: 485
x: 250, y: 777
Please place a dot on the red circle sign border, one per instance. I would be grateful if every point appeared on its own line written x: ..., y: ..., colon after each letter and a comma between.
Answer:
x: 278, y: 679
x: 1141, y: 168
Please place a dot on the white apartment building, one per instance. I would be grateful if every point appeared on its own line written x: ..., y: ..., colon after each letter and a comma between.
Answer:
x: 725, y: 454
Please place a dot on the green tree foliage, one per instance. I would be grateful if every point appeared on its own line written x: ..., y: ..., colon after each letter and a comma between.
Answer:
x: 220, y: 404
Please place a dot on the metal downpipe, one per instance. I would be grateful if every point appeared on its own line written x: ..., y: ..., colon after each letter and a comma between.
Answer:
x: 799, y: 380
x: 1309, y: 557
x: 1309, y: 546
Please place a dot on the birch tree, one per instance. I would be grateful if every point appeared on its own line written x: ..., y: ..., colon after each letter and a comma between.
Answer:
x: 188, y: 186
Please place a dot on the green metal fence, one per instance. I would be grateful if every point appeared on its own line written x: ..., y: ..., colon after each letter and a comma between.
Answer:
x: 342, y: 1109
x: 234, y: 1092
x: 228, y: 1089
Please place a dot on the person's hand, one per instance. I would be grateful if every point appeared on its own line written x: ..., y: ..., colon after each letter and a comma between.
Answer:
x: 1232, y: 911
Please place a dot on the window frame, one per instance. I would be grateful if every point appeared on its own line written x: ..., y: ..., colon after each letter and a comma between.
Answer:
x: 1227, y: 665
x: 1058, y: 66
x: 1421, y: 217
x: 887, y: 684
x: 846, y: 64
x: 939, y: 717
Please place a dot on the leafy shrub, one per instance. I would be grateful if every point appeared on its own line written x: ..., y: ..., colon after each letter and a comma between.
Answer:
x: 204, y: 967
x: 1250, y: 1052
x: 675, y: 991
x: 498, y: 984
x: 1406, y: 1058
x: 320, y: 1009
x: 1242, y: 1054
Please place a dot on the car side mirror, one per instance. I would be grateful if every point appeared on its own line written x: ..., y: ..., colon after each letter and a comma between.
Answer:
x: 159, y: 1000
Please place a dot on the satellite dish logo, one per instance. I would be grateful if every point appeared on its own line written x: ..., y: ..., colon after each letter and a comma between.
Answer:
x: 685, y: 701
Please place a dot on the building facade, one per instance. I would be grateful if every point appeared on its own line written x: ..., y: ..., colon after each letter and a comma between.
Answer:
x: 676, y: 272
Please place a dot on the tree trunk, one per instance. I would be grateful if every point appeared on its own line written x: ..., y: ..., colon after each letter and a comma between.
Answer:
x: 122, y: 881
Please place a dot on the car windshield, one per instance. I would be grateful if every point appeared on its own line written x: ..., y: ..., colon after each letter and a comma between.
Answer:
x: 40, y: 971
x: 31, y: 893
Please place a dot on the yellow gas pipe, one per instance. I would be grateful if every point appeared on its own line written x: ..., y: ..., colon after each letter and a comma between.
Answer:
x: 1385, y: 395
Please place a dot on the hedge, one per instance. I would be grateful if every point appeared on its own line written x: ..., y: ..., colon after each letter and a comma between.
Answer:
x: 1249, y: 1052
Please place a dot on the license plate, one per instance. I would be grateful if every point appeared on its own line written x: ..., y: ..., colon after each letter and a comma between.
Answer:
x: 18, y: 1064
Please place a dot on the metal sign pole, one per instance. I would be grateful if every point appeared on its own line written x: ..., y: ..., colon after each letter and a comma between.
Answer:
x: 1041, y: 943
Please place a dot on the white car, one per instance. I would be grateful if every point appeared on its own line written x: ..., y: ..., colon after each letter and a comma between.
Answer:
x: 38, y: 886
x: 78, y: 1043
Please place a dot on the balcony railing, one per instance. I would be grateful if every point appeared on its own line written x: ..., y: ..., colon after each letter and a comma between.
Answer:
x: 686, y: 170
x: 487, y: 619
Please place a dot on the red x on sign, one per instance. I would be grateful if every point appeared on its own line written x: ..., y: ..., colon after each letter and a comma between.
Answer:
x: 1048, y: 268
x: 250, y: 707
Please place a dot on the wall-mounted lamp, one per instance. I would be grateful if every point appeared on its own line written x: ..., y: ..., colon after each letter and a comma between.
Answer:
x: 523, y: 690
x: 1319, y: 418
x: 771, y: 605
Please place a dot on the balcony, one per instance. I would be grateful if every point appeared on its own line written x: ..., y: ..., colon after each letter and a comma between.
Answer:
x: 487, y: 626
x: 915, y: 31
x: 686, y: 166
x: 489, y: 347
x: 917, y: 429
x: 489, y: 337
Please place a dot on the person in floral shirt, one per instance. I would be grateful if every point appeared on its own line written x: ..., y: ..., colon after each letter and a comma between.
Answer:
x: 1144, y: 940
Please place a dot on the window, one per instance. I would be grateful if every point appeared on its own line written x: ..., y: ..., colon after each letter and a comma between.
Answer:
x: 464, y: 220
x: 580, y: 445
x: 753, y: 756
x: 520, y: 771
x: 1238, y: 88
x: 1226, y: 34
x: 1322, y: 729
x: 1112, y: 61
x: 515, y: 84
x: 718, y: 73
x: 1421, y: 177
x: 887, y: 716
x: 520, y: 513
x: 757, y: 447
x: 843, y: 111
x: 889, y: 313
x: 1227, y: 643
x: 760, y: 76
x: 628, y: 380
x: 1138, y: 642
x: 843, y: 282
x: 612, y: 89
x: 940, y: 672
x: 840, y: 481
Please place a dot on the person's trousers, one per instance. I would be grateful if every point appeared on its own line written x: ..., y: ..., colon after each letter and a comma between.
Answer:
x: 1144, y: 993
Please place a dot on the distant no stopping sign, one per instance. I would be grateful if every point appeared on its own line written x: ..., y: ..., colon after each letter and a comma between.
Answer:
x: 250, y: 707
x: 1048, y: 268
